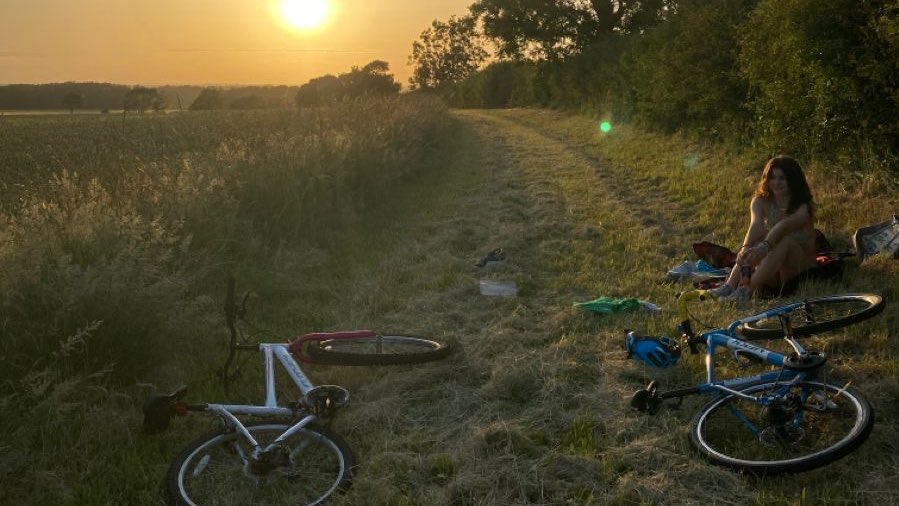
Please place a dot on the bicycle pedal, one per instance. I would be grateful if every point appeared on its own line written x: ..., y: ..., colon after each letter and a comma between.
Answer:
x: 647, y: 399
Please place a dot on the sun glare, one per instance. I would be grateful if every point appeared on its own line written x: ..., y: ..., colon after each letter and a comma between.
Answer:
x: 304, y: 14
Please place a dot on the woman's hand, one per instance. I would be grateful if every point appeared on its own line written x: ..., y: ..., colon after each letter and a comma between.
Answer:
x: 755, y: 254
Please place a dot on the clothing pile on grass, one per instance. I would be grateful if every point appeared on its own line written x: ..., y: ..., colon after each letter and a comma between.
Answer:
x: 716, y: 261
x: 608, y: 305
x: 880, y: 238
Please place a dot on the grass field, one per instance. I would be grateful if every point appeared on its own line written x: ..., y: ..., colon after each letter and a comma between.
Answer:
x: 532, y: 408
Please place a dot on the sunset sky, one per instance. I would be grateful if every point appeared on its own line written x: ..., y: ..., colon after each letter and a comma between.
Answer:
x: 204, y: 41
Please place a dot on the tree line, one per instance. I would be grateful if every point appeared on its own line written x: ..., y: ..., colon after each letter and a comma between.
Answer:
x: 811, y: 77
x: 108, y: 96
x: 372, y: 79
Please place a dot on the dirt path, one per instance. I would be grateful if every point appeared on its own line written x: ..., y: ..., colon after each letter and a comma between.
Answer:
x: 532, y: 409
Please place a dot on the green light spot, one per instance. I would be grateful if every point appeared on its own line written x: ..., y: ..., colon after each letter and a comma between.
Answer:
x: 605, y: 127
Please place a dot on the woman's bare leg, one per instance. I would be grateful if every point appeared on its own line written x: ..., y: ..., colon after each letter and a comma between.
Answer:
x: 785, y: 260
x: 735, y: 277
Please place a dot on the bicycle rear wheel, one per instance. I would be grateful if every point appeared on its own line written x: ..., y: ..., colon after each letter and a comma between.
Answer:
x: 809, y: 425
x: 216, y: 469
x: 817, y: 315
x: 377, y: 350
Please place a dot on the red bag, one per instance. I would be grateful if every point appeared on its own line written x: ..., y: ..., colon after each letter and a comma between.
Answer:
x: 715, y: 255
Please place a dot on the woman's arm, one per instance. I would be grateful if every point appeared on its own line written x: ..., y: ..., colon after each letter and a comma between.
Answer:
x: 756, y: 231
x: 799, y: 220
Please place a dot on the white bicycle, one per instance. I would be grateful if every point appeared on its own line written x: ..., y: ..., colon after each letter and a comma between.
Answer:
x: 289, y: 455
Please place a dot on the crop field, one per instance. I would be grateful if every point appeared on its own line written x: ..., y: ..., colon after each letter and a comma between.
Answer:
x: 117, y: 235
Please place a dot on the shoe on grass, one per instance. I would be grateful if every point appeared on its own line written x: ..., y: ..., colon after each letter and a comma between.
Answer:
x: 740, y: 294
x: 493, y: 256
x: 721, y: 291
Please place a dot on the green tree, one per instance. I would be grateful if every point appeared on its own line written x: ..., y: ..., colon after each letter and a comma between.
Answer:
x: 209, y: 98
x: 550, y: 29
x: 320, y: 91
x: 142, y: 99
x: 72, y: 101
x: 446, y: 53
x: 684, y: 73
x: 372, y: 79
x: 821, y: 74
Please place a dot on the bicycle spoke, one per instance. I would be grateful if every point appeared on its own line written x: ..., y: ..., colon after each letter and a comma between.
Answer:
x: 783, y: 428
x: 304, y: 469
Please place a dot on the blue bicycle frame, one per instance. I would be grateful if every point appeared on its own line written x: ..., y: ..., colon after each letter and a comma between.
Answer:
x: 726, y: 338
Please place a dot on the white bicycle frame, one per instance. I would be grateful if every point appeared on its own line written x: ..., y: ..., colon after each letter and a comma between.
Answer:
x: 270, y: 351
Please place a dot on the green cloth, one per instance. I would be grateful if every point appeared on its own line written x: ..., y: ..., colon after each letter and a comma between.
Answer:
x: 608, y: 305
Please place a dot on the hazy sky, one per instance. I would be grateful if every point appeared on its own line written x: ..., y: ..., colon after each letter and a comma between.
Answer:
x: 159, y: 42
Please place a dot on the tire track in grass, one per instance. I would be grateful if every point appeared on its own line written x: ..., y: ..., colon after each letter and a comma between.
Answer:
x: 482, y: 395
x: 661, y: 209
x: 652, y: 211
x: 530, y: 409
x: 591, y: 239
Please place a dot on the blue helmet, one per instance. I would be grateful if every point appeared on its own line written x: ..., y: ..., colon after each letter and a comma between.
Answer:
x: 654, y: 351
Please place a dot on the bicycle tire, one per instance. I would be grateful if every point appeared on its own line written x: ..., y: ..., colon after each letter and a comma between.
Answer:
x: 213, y: 469
x: 740, y: 434
x: 838, y: 311
x: 377, y: 350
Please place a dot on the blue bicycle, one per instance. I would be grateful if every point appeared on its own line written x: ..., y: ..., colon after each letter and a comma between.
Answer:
x: 788, y: 419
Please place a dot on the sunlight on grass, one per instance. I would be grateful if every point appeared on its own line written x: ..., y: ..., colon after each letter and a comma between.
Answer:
x: 337, y: 219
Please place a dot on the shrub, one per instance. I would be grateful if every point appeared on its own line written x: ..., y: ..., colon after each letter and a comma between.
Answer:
x: 821, y: 75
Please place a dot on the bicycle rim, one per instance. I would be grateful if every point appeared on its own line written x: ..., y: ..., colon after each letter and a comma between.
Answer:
x: 378, y: 350
x: 216, y: 469
x: 819, y: 424
x: 818, y: 315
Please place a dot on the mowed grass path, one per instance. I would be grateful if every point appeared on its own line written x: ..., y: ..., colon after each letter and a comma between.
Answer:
x: 533, y: 406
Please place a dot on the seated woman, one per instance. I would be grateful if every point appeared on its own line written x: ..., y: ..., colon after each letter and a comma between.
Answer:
x: 780, y: 242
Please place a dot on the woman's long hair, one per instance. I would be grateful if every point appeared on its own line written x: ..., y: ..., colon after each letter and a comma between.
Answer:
x: 800, y: 193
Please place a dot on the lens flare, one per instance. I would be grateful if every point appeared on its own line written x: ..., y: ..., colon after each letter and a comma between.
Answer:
x: 605, y: 127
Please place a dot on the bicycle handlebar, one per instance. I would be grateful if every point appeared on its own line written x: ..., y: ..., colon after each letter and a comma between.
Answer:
x: 232, y: 313
x: 685, y: 327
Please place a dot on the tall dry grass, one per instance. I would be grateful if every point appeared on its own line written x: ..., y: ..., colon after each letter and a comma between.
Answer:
x: 109, y: 233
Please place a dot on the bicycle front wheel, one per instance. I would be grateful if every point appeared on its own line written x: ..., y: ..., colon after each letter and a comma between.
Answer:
x: 377, y: 350
x: 806, y: 426
x: 307, y: 468
x: 817, y: 315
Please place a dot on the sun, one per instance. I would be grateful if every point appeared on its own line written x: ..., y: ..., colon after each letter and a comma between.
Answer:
x: 305, y: 14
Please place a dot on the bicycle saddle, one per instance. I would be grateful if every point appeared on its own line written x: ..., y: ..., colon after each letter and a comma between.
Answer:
x: 159, y: 410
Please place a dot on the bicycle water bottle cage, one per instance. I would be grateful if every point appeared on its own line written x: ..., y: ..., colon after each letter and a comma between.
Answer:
x: 324, y: 400
x: 654, y: 351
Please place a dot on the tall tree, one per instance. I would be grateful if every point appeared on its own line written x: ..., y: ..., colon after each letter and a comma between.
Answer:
x: 372, y: 79
x: 549, y: 29
x: 319, y: 91
x: 528, y: 28
x: 446, y: 53
x: 73, y: 100
x: 142, y: 99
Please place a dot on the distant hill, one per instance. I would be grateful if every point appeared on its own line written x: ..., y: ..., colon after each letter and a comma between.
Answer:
x: 111, y: 96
